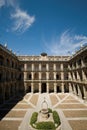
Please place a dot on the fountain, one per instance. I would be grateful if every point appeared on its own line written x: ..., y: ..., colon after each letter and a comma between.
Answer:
x: 44, y: 109
x: 45, y: 118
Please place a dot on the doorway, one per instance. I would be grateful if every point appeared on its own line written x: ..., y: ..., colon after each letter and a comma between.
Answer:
x: 43, y: 88
x: 58, y: 89
x: 28, y: 89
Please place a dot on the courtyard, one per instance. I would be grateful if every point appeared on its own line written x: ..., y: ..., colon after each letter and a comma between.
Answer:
x: 72, y: 110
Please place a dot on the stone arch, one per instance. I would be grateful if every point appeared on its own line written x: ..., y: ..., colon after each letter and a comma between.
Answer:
x: 36, y: 87
x: 7, y: 92
x: 58, y: 88
x: 82, y: 92
x: 51, y: 87
x: 28, y: 87
x: 85, y: 59
x: 11, y: 90
x: 36, y: 76
x: 1, y: 75
x: 12, y: 64
x: 8, y: 62
x: 43, y: 87
x: 76, y: 87
x: 43, y: 76
x: 51, y: 76
x: 29, y: 76
x: 66, y: 76
x: 66, y: 88
x: 1, y: 60
x: 1, y: 95
x: 58, y: 76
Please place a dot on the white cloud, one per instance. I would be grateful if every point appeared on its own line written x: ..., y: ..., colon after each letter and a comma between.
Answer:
x: 7, y: 3
x: 2, y: 3
x: 11, y: 3
x: 80, y: 37
x: 65, y: 43
x: 22, y: 21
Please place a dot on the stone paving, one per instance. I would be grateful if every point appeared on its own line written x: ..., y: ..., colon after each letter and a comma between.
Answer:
x: 72, y: 110
x: 54, y: 99
x: 9, y: 125
x: 13, y: 112
x: 78, y: 124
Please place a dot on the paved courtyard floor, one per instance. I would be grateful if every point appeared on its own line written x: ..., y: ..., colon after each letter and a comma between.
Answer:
x: 72, y: 110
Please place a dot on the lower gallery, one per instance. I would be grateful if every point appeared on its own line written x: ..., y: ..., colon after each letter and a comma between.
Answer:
x: 23, y: 79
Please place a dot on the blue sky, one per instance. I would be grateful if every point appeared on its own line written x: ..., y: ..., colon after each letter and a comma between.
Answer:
x: 30, y: 27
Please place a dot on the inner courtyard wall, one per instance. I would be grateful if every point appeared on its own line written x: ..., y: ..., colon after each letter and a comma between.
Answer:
x: 22, y: 74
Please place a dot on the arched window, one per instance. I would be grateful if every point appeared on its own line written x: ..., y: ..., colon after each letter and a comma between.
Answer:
x: 29, y: 77
x: 0, y: 76
x: 12, y: 64
x: 57, y: 77
x: 8, y: 62
x: 1, y: 60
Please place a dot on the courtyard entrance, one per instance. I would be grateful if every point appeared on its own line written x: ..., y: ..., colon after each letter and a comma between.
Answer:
x: 43, y: 87
x: 29, y: 89
x: 58, y: 89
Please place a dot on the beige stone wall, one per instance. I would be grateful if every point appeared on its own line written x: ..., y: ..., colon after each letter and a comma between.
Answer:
x: 42, y: 74
x: 10, y: 78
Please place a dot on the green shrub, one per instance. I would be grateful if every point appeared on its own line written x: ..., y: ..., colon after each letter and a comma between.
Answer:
x: 50, y: 110
x: 45, y: 126
x: 33, y: 118
x: 56, y: 118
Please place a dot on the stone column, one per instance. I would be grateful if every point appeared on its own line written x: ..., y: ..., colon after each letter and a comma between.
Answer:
x: 73, y: 76
x: 25, y: 75
x: 79, y: 91
x: 62, y: 66
x: 62, y: 87
x: 9, y: 91
x: 39, y: 75
x: 85, y: 92
x: 32, y: 67
x: 54, y: 67
x: 83, y: 75
x: 47, y: 67
x: 14, y: 89
x: 3, y: 94
x: 69, y: 75
x: 77, y: 64
x: 70, y: 88
x: 78, y: 77
x: 74, y: 89
x: 62, y: 75
x: 54, y: 75
x: 69, y: 67
x: 40, y: 67
x: 73, y: 66
x: 4, y: 75
x: 55, y: 90
x: 25, y: 66
x: 82, y: 63
x: 32, y: 75
x: 47, y: 75
x: 25, y: 87
x: 47, y: 87
x: 39, y: 87
x: 32, y: 87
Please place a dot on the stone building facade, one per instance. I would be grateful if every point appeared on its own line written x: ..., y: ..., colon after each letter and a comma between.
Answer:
x: 42, y: 74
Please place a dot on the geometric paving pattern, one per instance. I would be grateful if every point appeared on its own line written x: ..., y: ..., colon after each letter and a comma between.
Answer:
x: 74, y: 110
x: 13, y: 112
